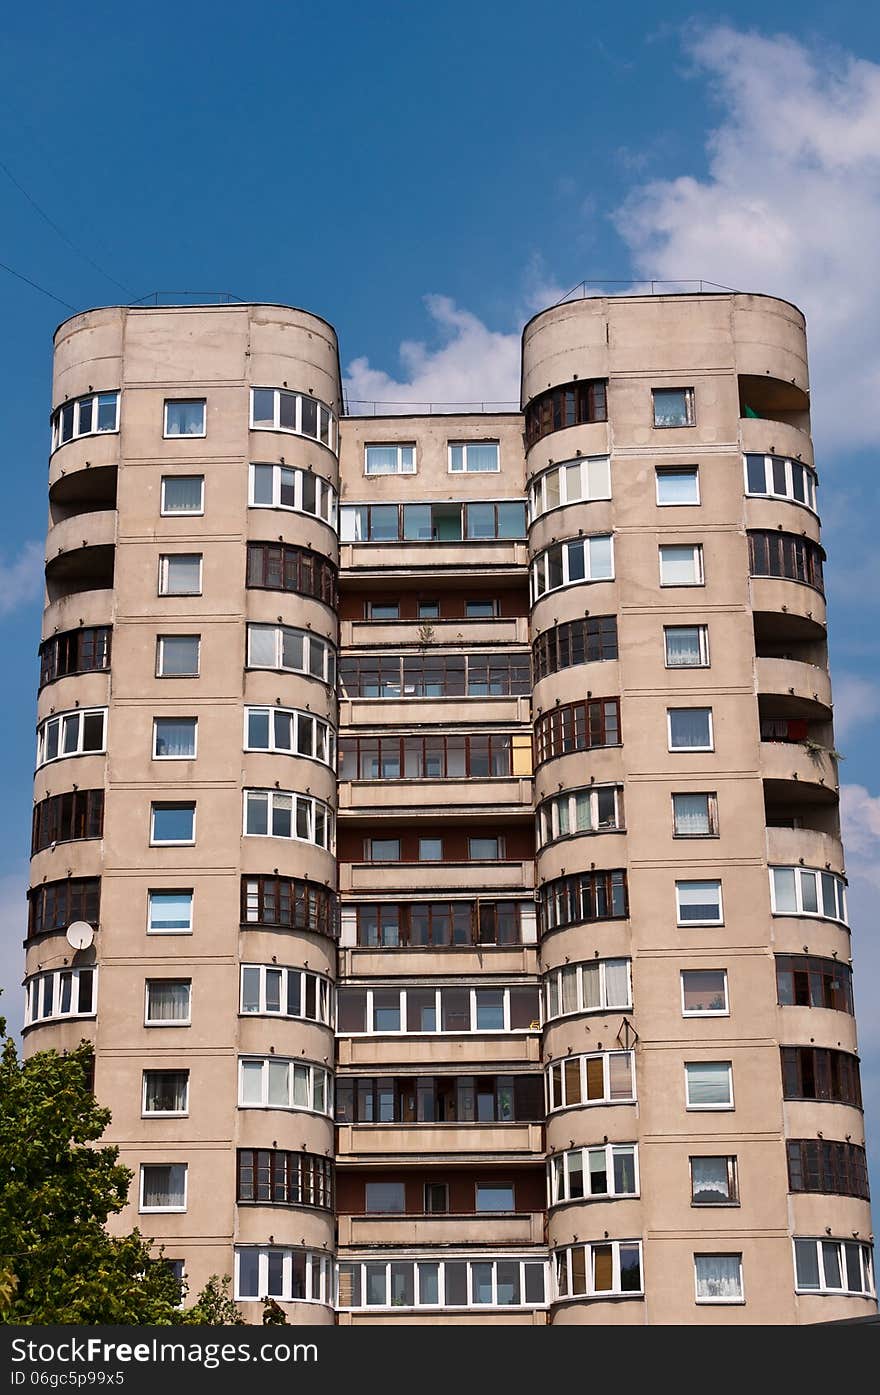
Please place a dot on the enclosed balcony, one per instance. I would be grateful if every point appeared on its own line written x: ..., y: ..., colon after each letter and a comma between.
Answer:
x: 774, y: 400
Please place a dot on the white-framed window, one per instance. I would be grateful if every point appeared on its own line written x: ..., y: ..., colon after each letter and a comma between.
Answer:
x: 291, y: 1275
x: 584, y: 1174
x: 182, y: 495
x: 698, y: 903
x: 291, y: 651
x: 718, y: 1278
x: 284, y: 487
x: 714, y: 1181
x: 689, y: 728
x: 172, y: 824
x: 268, y: 990
x: 381, y: 1010
x: 681, y: 564
x: 674, y: 406
x: 163, y: 1187
x: 604, y: 1077
x: 169, y: 912
x: 286, y: 814
x: 686, y: 646
x: 833, y: 1266
x: 597, y: 986
x: 390, y: 459
x: 185, y: 416
x: 571, y: 482
x: 780, y: 478
x: 180, y: 574
x: 174, y: 738
x: 177, y: 656
x: 599, y: 1270
x: 569, y: 563
x: 695, y: 815
x: 167, y: 1002
x: 708, y: 1085
x: 60, y: 993
x: 808, y: 891
x: 165, y: 1092
x: 677, y: 484
x: 94, y: 415
x: 274, y: 1082
x: 79, y: 733
x: 474, y: 457
x: 274, y: 409
x: 704, y: 993
x: 286, y: 730
x: 451, y: 1282
x: 595, y: 809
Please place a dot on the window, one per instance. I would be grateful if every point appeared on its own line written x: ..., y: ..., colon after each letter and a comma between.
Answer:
x: 823, y: 1165
x: 486, y: 849
x: 177, y: 1269
x: 803, y: 891
x: 427, y: 1099
x: 434, y: 757
x: 185, y: 417
x: 274, y: 1082
x: 477, y: 521
x: 577, y: 726
x: 786, y: 555
x: 803, y: 980
x: 714, y: 1181
x: 169, y: 912
x: 383, y: 610
x: 704, y: 993
x: 689, y: 728
x: 283, y: 487
x: 172, y: 824
x: 815, y: 1073
x: 687, y: 646
x: 495, y: 1196
x: 695, y: 815
x: 86, y: 650
x: 163, y: 1187
x: 290, y: 1275
x: 436, y: 1199
x: 54, y: 905
x: 273, y: 409
x: 442, y: 1283
x: 567, y: 563
x: 274, y: 991
x: 385, y: 1198
x: 473, y: 457
x: 833, y: 1266
x: 289, y: 903
x: 275, y: 1177
x: 62, y: 818
x: 174, y: 738
x: 180, y: 574
x: 574, y: 481
x: 289, y: 731
x: 381, y: 1010
x: 291, y: 651
x: 698, y: 903
x: 781, y: 478
x: 612, y: 1268
x: 596, y: 809
x: 597, y: 986
x: 570, y: 405
x: 382, y: 850
x: 606, y: 1077
x: 166, y: 1092
x: 435, y: 675
x: 280, y: 567
x: 678, y: 486
x: 430, y: 610
x: 681, y: 565
x: 581, y: 897
x: 183, y: 494
x: 584, y: 1173
x: 480, y: 610
x: 718, y: 1278
x: 285, y: 814
x: 390, y: 460
x: 430, y: 850
x: 440, y: 924
x: 168, y: 1002
x: 85, y: 416
x: 60, y: 993
x: 580, y: 642
x: 177, y: 656
x: 673, y: 406
x: 708, y: 1085
x: 79, y: 733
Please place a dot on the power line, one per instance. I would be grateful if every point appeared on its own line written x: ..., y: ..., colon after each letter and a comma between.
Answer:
x: 42, y: 289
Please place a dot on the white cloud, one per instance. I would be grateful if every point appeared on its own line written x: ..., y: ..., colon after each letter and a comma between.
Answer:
x: 856, y: 701
x: 21, y: 578
x: 790, y: 206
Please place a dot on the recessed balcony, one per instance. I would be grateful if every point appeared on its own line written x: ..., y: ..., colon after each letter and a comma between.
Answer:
x: 84, y: 491
x: 442, y: 797
x: 799, y: 762
x: 774, y: 400
x: 391, y: 633
x: 80, y: 554
x: 488, y: 1142
x: 486, y: 1230
x: 381, y: 878
x: 812, y: 847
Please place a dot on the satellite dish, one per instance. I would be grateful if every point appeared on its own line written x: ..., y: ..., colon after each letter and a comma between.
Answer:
x: 80, y: 934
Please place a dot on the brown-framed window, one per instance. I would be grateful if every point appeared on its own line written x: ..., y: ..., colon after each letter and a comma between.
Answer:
x: 582, y: 897
x: 289, y: 903
x: 275, y: 1177
x: 281, y: 567
x: 816, y: 1073
x: 786, y: 555
x: 804, y: 980
x: 447, y: 757
x: 86, y: 650
x: 62, y: 818
x: 824, y: 1165
x: 584, y: 641
x: 435, y: 675
x: 577, y: 726
x: 54, y: 905
x: 569, y: 405
x: 427, y: 1099
x: 438, y: 924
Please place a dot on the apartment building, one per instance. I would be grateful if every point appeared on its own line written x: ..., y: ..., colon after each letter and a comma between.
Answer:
x: 451, y: 881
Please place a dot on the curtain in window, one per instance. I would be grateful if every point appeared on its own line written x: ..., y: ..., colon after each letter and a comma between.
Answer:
x: 718, y: 1276
x: 169, y: 1002
x: 708, y: 1082
x: 183, y: 493
x: 689, y: 726
x: 164, y: 1186
x: 691, y: 813
x: 683, y: 647
x: 616, y: 982
x: 175, y: 738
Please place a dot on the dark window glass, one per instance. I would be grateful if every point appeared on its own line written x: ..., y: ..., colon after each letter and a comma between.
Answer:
x: 786, y: 555
x: 570, y: 405
x: 816, y: 1073
x: 578, y: 642
x: 289, y: 903
x: 65, y: 817
x: 280, y: 567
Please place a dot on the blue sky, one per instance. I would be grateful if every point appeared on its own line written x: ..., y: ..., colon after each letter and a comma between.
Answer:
x: 426, y: 178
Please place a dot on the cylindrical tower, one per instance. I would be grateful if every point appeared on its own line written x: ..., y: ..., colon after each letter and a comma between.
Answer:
x: 185, y: 790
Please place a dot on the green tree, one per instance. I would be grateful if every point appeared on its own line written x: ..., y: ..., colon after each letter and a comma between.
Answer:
x: 214, y: 1306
